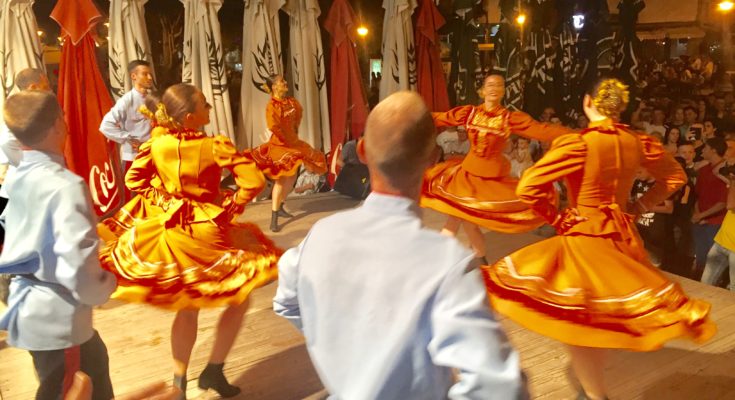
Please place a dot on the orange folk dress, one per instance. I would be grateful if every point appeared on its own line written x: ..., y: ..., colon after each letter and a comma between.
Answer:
x: 174, y: 245
x: 479, y: 188
x: 592, y: 285
x: 284, y: 152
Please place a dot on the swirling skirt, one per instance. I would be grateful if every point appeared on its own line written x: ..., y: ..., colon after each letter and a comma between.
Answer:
x: 595, y: 291
x: 488, y: 202
x: 278, y: 161
x: 185, y: 265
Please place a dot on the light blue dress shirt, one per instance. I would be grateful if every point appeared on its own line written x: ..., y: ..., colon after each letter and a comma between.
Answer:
x: 10, y: 154
x: 124, y: 122
x: 51, y: 235
x: 389, y: 308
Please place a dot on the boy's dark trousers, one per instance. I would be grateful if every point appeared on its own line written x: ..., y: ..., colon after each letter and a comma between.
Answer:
x: 56, y: 368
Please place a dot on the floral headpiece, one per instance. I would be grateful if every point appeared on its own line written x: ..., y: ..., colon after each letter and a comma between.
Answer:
x: 266, y: 88
x: 160, y: 117
x: 612, y: 97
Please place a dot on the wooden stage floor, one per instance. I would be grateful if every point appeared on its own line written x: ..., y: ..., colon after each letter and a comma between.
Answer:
x: 269, y: 360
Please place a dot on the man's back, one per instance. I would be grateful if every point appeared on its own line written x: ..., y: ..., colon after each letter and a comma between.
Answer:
x: 388, y: 308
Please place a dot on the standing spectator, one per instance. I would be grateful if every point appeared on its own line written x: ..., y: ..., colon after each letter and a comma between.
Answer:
x: 653, y: 225
x: 691, y: 130
x: 702, y: 110
x: 683, y: 244
x: 709, y: 129
x: 710, y: 207
x: 672, y: 138
x: 677, y: 119
x: 722, y: 254
x: 658, y: 122
x: 720, y: 117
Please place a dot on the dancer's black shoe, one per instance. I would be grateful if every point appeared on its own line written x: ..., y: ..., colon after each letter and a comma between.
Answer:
x: 274, y: 222
x: 283, y: 213
x: 213, y: 378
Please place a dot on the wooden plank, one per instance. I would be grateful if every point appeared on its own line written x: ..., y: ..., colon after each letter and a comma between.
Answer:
x: 269, y: 360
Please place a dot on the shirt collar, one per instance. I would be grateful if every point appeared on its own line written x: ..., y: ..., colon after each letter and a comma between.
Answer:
x: 604, y: 123
x: 35, y: 156
x: 390, y: 204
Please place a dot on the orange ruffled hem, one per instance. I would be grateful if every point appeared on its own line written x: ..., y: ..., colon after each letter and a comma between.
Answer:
x: 279, y: 161
x: 168, y: 268
x: 592, y: 292
x: 487, y: 202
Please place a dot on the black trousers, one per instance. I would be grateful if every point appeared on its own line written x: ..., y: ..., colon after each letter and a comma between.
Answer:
x: 56, y: 368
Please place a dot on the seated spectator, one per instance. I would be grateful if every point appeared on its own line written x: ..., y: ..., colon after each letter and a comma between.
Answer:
x: 453, y: 143
x: 308, y: 183
x: 353, y: 179
x: 349, y: 154
x: 520, y: 158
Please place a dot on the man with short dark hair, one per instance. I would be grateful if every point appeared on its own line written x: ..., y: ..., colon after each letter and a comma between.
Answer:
x: 710, y: 207
x: 124, y: 124
x: 394, y: 320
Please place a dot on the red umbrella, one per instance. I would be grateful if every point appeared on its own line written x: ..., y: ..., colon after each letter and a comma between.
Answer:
x: 432, y: 85
x: 85, y: 101
x: 348, y: 103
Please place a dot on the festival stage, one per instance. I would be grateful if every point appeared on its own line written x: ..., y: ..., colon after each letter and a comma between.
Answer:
x: 269, y: 360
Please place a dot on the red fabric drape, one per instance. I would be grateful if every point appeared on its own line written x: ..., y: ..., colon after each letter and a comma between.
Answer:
x: 432, y: 85
x: 85, y: 101
x: 347, y: 103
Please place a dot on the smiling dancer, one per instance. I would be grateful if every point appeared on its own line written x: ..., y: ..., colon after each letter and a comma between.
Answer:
x: 478, y: 190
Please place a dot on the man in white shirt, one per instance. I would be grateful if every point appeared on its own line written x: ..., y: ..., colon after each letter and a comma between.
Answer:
x: 395, y: 318
x: 454, y: 143
x: 124, y: 124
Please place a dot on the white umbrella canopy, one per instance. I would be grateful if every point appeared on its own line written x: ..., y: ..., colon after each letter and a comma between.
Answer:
x: 20, y: 47
x: 204, y: 62
x: 261, y: 57
x: 128, y: 41
x: 308, y: 71
x: 399, y: 52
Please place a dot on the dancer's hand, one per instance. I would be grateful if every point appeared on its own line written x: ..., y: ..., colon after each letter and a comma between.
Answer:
x: 81, y: 389
x: 232, y: 208
x: 566, y: 219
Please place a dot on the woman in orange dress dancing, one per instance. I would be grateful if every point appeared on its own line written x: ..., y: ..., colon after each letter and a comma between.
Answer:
x: 283, y: 154
x: 179, y: 250
x: 592, y: 287
x: 478, y: 190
